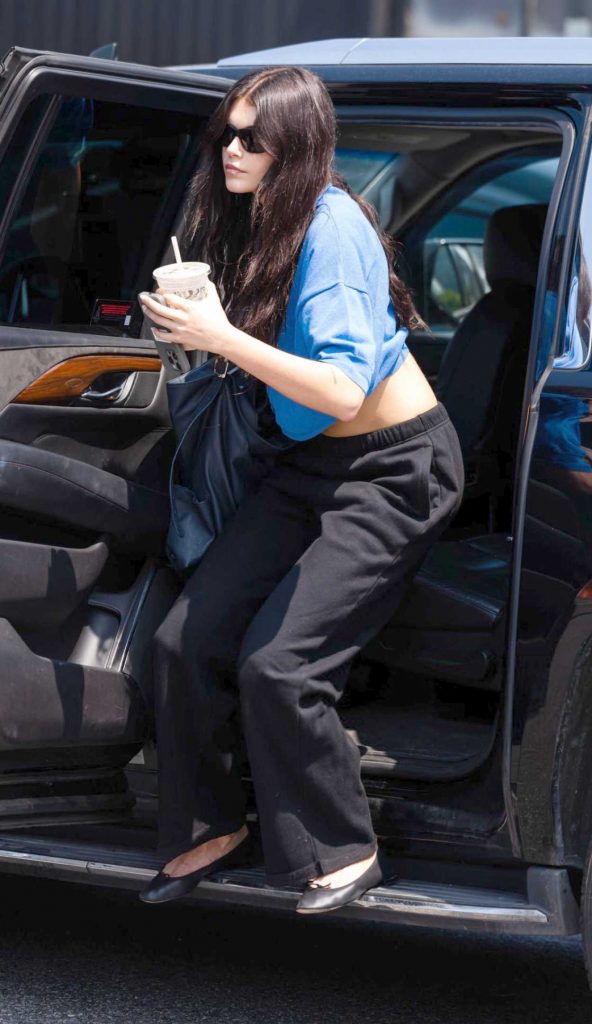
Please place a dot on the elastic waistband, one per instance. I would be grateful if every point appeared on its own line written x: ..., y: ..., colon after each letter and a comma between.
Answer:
x: 324, y: 444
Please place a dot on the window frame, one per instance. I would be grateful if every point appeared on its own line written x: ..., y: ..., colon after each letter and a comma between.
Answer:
x: 196, y: 100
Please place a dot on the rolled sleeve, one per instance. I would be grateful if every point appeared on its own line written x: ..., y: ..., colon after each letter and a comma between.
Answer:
x: 335, y: 325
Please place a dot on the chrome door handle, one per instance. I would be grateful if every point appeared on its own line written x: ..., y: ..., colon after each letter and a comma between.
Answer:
x: 111, y: 395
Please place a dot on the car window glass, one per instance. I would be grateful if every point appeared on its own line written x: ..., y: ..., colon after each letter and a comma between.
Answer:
x: 461, y: 232
x: 369, y: 173
x: 360, y: 167
x: 435, y: 189
x: 76, y: 240
x: 530, y: 182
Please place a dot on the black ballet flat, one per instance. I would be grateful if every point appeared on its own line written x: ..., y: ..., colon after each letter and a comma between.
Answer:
x: 165, y: 887
x: 318, y: 899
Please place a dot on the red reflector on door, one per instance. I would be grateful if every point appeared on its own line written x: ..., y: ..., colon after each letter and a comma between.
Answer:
x: 112, y: 311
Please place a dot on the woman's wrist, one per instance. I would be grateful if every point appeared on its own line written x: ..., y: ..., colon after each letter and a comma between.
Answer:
x: 231, y: 342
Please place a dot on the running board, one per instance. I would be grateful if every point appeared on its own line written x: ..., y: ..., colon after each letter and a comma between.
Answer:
x: 549, y: 908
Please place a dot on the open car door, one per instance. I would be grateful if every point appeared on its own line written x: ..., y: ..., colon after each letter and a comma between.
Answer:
x: 95, y: 156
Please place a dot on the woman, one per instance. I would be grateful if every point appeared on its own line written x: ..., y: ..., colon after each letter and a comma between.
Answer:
x: 315, y: 561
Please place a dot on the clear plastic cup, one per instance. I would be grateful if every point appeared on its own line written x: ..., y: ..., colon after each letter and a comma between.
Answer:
x: 189, y: 280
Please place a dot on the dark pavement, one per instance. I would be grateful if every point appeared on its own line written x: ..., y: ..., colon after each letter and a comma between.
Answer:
x: 98, y: 956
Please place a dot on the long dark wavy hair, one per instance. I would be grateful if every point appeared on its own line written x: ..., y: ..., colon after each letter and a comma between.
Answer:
x: 252, y: 241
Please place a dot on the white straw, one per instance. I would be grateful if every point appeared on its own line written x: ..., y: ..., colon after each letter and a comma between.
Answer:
x: 176, y: 250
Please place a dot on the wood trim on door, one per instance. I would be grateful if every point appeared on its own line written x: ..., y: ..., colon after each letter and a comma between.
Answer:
x: 72, y: 377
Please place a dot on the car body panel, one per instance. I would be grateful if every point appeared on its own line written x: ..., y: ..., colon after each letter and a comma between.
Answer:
x: 518, y: 51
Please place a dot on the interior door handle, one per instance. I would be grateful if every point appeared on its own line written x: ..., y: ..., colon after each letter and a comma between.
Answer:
x: 113, y: 396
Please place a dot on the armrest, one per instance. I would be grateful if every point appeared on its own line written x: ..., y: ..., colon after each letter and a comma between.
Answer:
x: 75, y: 494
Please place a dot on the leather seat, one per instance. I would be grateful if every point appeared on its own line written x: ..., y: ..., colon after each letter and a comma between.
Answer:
x: 462, y: 584
x: 83, y: 497
x: 451, y: 624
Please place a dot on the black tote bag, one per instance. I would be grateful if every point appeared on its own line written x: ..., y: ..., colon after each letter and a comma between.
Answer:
x: 226, y: 441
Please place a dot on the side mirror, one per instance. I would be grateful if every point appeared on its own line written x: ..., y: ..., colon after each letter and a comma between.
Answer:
x: 454, y: 278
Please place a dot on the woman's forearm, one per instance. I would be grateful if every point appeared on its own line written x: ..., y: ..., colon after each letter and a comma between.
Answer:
x: 204, y: 325
x: 320, y: 386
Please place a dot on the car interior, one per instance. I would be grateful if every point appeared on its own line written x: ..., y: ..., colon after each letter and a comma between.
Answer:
x: 85, y: 449
x: 424, y: 695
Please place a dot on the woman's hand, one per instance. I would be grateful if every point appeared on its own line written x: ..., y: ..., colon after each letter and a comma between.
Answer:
x: 192, y: 323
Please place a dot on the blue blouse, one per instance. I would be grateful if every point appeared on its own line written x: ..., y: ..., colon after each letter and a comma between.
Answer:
x: 339, y: 309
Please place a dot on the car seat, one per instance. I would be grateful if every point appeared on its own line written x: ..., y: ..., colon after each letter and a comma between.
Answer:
x: 481, y: 377
x: 451, y: 624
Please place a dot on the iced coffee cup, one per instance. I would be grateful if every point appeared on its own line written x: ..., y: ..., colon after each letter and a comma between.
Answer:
x: 189, y: 280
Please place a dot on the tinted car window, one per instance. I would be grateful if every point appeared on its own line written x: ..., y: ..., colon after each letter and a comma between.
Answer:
x: 369, y: 173
x: 77, y: 235
x: 360, y: 167
x: 400, y: 168
x: 530, y: 182
x: 461, y: 232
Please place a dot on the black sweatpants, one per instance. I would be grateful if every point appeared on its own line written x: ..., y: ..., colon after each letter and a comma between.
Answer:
x: 261, y: 639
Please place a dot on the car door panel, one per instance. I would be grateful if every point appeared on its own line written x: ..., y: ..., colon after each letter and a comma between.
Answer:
x: 82, y: 496
x: 73, y: 377
x: 85, y: 439
x: 131, y: 439
x: 32, y: 571
x: 23, y: 366
x: 61, y: 704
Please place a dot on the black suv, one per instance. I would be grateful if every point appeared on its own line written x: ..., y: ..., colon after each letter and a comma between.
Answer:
x: 473, y: 707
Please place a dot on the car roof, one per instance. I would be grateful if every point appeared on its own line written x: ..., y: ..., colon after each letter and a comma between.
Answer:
x: 519, y: 50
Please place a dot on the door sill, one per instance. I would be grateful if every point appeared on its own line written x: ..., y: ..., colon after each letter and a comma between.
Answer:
x: 547, y: 907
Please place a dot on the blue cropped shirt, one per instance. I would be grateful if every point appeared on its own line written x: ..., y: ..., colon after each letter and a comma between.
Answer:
x: 339, y: 310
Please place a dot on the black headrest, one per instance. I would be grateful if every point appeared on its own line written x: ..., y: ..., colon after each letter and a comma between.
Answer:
x: 512, y: 246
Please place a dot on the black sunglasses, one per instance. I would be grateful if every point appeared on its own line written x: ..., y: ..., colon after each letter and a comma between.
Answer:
x: 246, y: 136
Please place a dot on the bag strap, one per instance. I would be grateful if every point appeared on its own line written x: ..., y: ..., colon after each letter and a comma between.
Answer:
x: 221, y: 372
x: 206, y: 400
